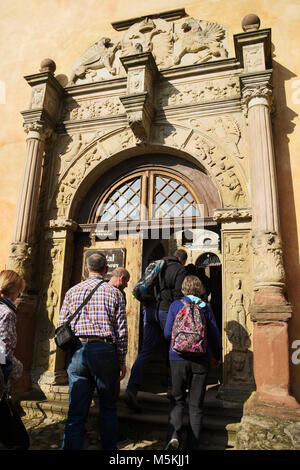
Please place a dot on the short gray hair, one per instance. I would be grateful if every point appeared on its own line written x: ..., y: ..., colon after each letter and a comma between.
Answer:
x: 96, y: 262
x: 118, y: 272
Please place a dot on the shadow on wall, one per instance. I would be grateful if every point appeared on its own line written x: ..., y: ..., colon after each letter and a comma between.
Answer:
x: 238, y: 363
x: 283, y: 127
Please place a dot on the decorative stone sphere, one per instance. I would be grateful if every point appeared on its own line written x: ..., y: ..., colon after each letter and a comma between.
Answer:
x: 251, y: 23
x: 48, y: 65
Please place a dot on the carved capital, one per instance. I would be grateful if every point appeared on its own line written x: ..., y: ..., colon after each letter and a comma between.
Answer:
x: 37, y: 130
x: 62, y: 224
x: 257, y: 89
x: 267, y: 259
x: 260, y: 94
x: 225, y: 215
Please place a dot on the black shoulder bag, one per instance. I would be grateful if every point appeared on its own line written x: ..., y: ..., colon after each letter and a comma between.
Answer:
x: 64, y: 336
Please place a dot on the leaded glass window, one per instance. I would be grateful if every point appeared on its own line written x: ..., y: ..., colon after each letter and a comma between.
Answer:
x: 123, y: 203
x: 164, y: 197
x: 172, y: 199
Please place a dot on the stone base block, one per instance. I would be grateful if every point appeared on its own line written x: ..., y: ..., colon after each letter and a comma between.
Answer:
x: 266, y: 426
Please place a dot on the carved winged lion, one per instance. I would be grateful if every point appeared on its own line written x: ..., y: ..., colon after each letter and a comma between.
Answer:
x: 100, y: 55
x: 201, y: 38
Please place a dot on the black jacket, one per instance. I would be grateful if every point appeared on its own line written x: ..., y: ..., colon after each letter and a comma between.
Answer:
x: 172, y: 278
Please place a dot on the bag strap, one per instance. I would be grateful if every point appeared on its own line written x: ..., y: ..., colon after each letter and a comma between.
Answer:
x: 71, y: 318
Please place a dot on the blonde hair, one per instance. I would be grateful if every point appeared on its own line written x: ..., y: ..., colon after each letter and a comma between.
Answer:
x: 192, y: 285
x: 10, y: 282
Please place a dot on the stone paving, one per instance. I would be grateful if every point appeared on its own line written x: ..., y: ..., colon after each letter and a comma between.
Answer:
x: 47, y: 434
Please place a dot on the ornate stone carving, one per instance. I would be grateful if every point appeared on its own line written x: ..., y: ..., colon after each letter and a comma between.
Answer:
x: 37, y: 99
x: 268, y: 263
x: 20, y: 260
x: 63, y: 224
x: 254, y: 57
x: 201, y: 38
x: 186, y: 43
x: 203, y: 91
x: 221, y: 168
x: 237, y: 309
x: 238, y: 360
x: 100, y: 55
x: 224, y: 215
x: 227, y: 131
x: 170, y: 135
x: 232, y: 191
x: 90, y: 109
x: 257, y: 91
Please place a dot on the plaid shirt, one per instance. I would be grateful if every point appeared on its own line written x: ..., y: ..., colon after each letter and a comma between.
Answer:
x: 104, y: 315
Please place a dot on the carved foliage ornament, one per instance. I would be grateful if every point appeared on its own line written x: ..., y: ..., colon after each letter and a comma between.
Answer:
x: 268, y: 263
x: 172, y: 44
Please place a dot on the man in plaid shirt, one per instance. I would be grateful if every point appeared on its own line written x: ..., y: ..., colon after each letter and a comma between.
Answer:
x: 99, y: 358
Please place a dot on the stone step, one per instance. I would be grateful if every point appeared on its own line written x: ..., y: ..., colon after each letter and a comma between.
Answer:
x: 218, y: 431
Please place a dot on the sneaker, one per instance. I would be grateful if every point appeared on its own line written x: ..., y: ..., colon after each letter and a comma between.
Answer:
x: 173, y: 444
x: 131, y: 402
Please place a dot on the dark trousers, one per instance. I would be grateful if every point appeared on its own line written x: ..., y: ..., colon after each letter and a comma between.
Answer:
x: 192, y: 376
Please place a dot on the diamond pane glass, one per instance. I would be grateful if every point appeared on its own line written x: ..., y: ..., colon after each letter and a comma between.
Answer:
x: 123, y: 203
x: 172, y: 199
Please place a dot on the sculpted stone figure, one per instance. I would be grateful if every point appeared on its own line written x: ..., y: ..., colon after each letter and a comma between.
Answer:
x: 203, y: 39
x: 100, y: 55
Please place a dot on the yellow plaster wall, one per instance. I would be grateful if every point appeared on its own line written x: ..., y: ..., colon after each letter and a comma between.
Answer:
x: 63, y: 29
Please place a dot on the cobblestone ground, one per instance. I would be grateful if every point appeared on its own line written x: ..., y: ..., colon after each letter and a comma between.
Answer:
x: 47, y: 434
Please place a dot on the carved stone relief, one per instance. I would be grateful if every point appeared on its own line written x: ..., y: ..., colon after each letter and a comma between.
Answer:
x: 49, y: 305
x: 202, y: 91
x: 267, y: 258
x: 254, y: 58
x: 83, y: 158
x: 228, y: 130
x: 90, y: 109
x: 172, y: 44
x: 221, y: 168
x: 238, y: 360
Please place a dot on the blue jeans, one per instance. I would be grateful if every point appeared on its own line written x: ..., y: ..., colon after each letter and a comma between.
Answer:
x: 154, y: 324
x: 92, y: 364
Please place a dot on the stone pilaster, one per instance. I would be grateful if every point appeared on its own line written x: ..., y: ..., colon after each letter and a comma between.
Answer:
x: 39, y: 123
x: 269, y: 309
x: 237, y: 381
x: 49, y: 361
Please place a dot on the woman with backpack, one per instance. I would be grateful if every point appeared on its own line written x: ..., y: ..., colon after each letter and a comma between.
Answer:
x: 194, y: 335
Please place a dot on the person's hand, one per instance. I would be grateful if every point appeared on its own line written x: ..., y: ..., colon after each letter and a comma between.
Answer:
x: 214, y: 363
x: 122, y: 372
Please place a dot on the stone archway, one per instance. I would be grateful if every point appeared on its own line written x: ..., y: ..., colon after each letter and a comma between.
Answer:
x: 138, y: 98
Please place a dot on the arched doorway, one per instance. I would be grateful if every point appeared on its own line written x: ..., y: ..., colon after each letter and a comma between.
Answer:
x: 132, y: 214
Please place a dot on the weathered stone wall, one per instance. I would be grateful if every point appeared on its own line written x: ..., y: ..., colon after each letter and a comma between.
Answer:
x: 63, y: 31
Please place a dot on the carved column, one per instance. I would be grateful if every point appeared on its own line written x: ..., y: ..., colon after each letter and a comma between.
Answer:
x: 270, y: 311
x: 40, y: 120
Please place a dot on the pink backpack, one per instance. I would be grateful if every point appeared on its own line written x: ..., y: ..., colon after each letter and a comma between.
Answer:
x: 189, y: 332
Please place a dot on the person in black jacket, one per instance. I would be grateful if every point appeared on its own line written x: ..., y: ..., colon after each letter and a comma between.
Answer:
x: 154, y: 321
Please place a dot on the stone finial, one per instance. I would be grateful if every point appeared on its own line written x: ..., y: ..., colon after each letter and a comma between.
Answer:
x: 48, y: 65
x: 250, y: 23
